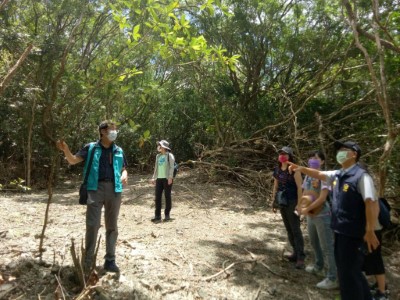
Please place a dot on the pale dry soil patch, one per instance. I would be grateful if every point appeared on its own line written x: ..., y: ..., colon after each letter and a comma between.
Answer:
x: 213, y: 226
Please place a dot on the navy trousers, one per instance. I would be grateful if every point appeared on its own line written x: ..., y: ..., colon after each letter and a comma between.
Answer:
x: 349, y: 257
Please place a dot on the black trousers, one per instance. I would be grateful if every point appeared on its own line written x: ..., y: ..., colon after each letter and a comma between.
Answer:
x: 163, y: 186
x: 349, y: 256
x: 373, y: 262
x: 292, y: 225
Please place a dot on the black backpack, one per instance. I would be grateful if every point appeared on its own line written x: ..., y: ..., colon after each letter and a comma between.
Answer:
x: 176, y: 166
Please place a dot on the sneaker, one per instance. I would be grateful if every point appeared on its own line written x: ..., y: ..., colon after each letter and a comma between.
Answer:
x: 379, y: 296
x: 299, y: 264
x: 374, y: 289
x: 312, y: 269
x: 327, y: 284
x: 156, y: 220
x: 110, y: 266
x: 290, y: 257
x: 167, y: 218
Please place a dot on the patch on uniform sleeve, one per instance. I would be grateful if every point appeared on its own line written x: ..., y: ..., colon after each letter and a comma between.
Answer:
x: 345, y: 187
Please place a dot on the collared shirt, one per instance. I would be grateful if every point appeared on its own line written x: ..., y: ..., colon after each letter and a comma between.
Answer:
x: 365, y: 185
x: 106, y: 170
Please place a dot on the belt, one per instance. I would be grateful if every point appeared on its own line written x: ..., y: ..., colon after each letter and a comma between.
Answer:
x: 106, y: 180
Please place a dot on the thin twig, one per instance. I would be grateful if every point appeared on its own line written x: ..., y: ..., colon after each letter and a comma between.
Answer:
x: 171, y: 261
x: 174, y: 290
x: 258, y: 293
x: 227, y: 268
x: 60, y: 286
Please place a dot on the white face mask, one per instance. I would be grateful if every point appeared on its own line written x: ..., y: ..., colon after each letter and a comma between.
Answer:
x: 341, y: 156
x: 112, y: 135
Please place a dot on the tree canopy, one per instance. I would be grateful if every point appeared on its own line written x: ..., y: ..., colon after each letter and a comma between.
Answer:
x: 234, y: 75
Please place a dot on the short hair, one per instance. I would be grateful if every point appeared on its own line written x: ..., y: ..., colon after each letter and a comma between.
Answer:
x: 105, y: 124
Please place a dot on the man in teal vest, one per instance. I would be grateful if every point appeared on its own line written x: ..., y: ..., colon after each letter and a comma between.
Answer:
x: 106, y: 177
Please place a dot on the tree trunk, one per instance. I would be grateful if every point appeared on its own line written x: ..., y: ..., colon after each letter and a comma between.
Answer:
x: 379, y: 84
x: 29, y: 144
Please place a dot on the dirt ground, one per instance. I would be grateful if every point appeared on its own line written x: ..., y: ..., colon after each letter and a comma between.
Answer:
x: 213, y: 227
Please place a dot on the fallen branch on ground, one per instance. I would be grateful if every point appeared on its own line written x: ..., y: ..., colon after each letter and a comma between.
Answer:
x: 227, y: 268
x: 174, y: 290
x: 171, y: 261
x: 255, y: 259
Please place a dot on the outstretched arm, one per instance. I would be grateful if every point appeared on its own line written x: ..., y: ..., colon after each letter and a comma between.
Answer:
x: 72, y: 159
x: 308, y: 171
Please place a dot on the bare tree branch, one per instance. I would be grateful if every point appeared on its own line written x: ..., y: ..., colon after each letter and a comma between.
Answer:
x: 3, y: 4
x: 379, y: 83
x: 366, y: 34
x: 13, y: 70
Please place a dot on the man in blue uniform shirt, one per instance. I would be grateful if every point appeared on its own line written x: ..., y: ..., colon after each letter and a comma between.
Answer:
x: 355, y: 211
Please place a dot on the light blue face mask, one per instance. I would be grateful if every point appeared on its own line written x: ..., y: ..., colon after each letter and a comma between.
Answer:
x: 112, y: 135
x: 341, y: 156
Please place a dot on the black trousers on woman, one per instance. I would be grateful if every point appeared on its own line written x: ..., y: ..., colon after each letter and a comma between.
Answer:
x: 292, y: 225
x: 163, y: 186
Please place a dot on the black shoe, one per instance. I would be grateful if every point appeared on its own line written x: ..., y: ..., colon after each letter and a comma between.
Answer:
x: 110, y: 266
x: 167, y: 218
x: 156, y: 220
x: 300, y: 264
x: 291, y: 257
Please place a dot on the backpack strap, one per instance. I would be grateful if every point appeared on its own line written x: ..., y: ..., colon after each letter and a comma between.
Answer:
x: 169, y: 153
x: 89, y: 165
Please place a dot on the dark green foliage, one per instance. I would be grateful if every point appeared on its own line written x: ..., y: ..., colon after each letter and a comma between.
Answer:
x: 201, y: 76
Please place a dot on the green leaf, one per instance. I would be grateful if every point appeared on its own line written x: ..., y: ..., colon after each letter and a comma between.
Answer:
x: 196, y: 47
x: 184, y: 23
x: 172, y: 6
x: 146, y: 134
x: 136, y: 35
x: 154, y: 15
x: 180, y: 41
